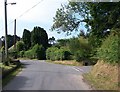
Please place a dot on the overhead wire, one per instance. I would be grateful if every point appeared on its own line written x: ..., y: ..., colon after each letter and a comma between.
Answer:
x: 29, y: 9
x: 24, y: 13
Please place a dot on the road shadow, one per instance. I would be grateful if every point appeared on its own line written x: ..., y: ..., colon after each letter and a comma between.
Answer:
x: 16, y: 84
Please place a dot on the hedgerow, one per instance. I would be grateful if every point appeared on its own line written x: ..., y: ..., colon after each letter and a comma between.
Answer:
x: 37, y: 52
x: 54, y: 53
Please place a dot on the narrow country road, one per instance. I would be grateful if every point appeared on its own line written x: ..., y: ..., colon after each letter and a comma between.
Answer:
x: 40, y: 75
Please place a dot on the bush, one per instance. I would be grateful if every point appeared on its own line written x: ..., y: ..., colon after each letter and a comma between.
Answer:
x: 80, y: 48
x: 29, y: 54
x: 50, y: 53
x: 54, y: 53
x: 109, y: 49
x: 21, y: 53
x: 13, y: 54
x: 37, y: 52
x: 20, y: 46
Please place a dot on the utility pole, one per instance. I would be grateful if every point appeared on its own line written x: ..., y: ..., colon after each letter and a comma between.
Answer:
x: 6, y: 46
x: 15, y: 34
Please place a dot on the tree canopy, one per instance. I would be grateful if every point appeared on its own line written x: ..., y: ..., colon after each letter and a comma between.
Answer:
x: 98, y: 18
x: 26, y: 39
x: 39, y: 36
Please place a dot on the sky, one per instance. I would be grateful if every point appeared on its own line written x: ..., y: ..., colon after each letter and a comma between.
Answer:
x: 41, y: 15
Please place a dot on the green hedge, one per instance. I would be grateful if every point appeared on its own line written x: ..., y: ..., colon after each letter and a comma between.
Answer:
x: 53, y: 53
x: 80, y: 48
x: 110, y: 48
x: 21, y: 54
x: 37, y: 52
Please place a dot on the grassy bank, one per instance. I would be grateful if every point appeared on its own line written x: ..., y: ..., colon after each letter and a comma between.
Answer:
x: 10, y: 76
x: 103, y: 76
x: 9, y: 72
x: 66, y: 62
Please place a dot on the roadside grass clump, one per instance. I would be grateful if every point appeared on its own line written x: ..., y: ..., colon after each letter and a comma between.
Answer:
x: 66, y: 62
x: 10, y: 76
x: 103, y: 76
x: 9, y: 72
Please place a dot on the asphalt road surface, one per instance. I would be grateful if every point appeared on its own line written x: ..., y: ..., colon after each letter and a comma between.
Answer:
x: 40, y: 75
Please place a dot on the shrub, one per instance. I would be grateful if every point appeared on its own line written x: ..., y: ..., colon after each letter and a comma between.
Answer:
x: 80, y: 48
x: 37, y: 52
x: 21, y: 53
x: 53, y: 53
x: 50, y: 53
x: 20, y: 46
x: 13, y: 54
x: 29, y: 54
x: 109, y: 49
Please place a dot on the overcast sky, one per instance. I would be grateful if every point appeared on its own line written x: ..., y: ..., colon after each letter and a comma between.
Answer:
x: 41, y: 15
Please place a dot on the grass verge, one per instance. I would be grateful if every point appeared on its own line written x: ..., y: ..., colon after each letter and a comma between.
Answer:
x: 103, y: 76
x: 11, y: 76
x: 66, y: 62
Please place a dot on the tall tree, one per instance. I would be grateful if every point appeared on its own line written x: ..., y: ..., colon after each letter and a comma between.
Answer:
x: 39, y: 36
x: 26, y: 39
x: 98, y: 17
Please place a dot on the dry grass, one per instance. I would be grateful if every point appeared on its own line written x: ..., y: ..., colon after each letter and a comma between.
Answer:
x: 67, y: 62
x: 103, y: 76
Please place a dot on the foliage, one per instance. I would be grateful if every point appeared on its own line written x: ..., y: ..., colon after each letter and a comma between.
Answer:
x: 39, y: 36
x: 110, y: 48
x: 29, y: 54
x: 63, y: 42
x: 54, y: 53
x: 80, y: 48
x: 97, y: 18
x: 37, y: 52
x: 20, y: 46
x: 13, y: 54
x: 21, y: 53
x: 26, y: 38
x: 50, y: 53
x: 10, y: 40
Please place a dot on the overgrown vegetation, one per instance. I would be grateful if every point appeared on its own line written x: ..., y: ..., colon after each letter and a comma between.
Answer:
x: 37, y: 52
x: 32, y: 45
x: 80, y: 48
x: 11, y: 74
x: 55, y: 53
x: 103, y: 76
x: 109, y: 48
x: 76, y: 48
